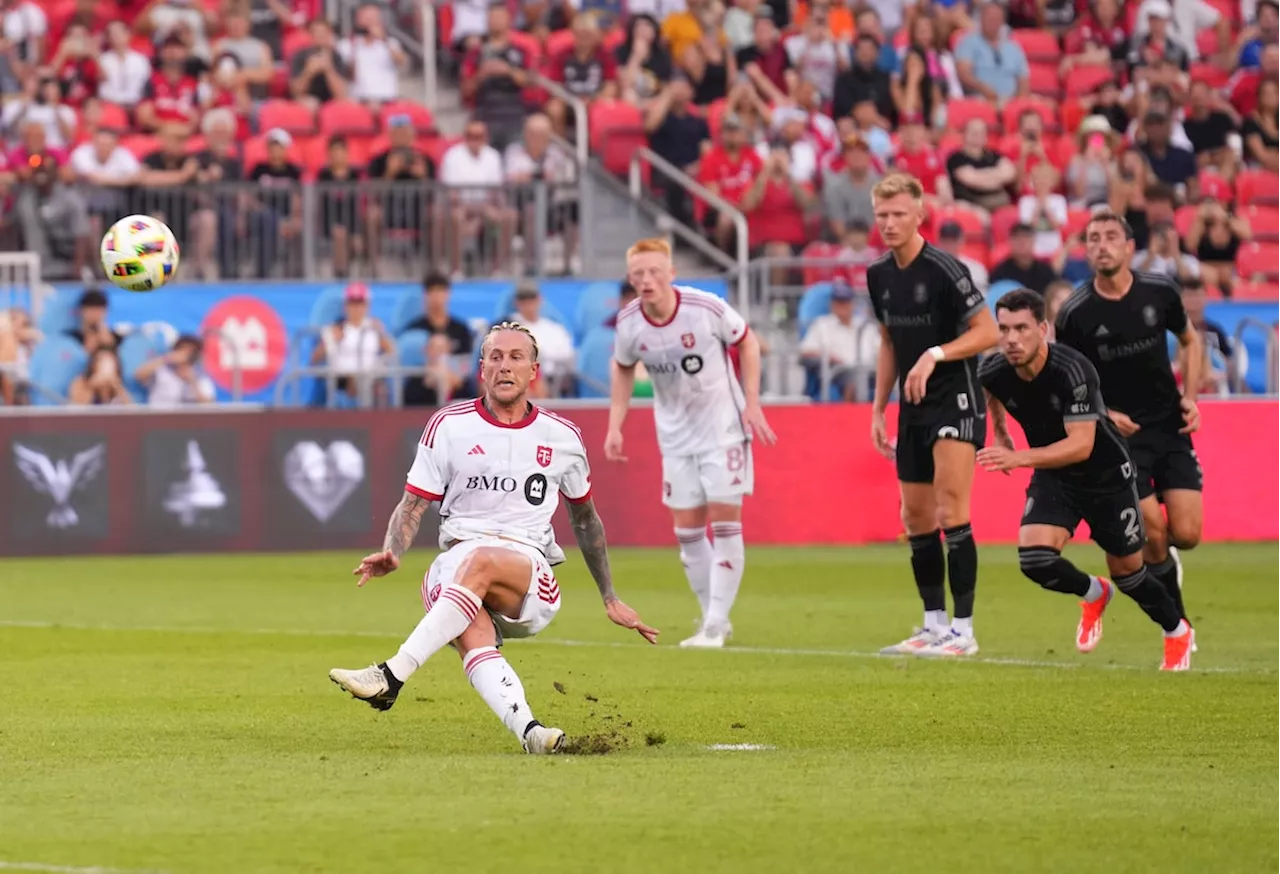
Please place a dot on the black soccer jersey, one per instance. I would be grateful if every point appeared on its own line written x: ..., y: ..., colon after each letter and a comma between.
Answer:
x: 1065, y: 390
x: 1125, y: 341
x: 927, y: 303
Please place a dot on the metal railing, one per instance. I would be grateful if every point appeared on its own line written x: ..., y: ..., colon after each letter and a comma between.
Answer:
x: 1235, y: 378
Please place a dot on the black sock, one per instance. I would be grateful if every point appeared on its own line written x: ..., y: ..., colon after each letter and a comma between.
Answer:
x: 393, y: 684
x: 1151, y: 597
x: 962, y: 568
x: 1166, y: 574
x: 1046, y: 567
x: 930, y: 568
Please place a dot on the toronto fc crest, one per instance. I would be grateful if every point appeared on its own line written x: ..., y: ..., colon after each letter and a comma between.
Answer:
x: 688, y: 340
x: 544, y: 456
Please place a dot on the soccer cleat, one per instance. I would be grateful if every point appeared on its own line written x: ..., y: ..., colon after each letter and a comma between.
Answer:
x: 920, y: 640
x: 1089, y: 631
x: 542, y: 741
x: 1177, y: 652
x: 708, y: 638
x: 375, y: 685
x: 953, y: 644
x: 1177, y: 564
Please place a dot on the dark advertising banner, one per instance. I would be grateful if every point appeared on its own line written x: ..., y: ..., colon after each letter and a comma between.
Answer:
x: 291, y: 480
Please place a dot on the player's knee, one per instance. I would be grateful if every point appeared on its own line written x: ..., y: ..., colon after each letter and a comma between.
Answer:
x: 1040, y: 564
x: 952, y: 508
x: 918, y: 521
x: 1183, y: 534
x: 476, y: 571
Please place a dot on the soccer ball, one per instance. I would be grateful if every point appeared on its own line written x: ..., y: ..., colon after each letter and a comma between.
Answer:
x: 139, y: 253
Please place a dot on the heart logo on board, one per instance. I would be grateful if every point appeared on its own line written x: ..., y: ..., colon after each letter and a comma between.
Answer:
x: 322, y: 479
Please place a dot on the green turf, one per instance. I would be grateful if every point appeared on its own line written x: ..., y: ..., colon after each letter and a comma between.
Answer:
x: 178, y: 718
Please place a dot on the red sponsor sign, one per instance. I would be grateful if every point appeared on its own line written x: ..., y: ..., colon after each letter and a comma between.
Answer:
x: 245, y: 332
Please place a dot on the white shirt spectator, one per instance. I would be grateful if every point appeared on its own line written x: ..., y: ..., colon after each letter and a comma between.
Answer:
x: 555, y: 346
x: 804, y: 160
x: 168, y: 17
x: 556, y: 166
x: 1150, y: 263
x: 170, y: 390
x: 1048, y: 241
x: 817, y: 63
x: 124, y: 77
x: 375, y: 75
x: 659, y: 9
x: 1189, y: 17
x: 23, y: 24
x: 464, y: 169
x: 856, y: 344
x: 356, y: 349
x: 120, y: 163
x: 19, y: 112
x: 470, y: 18
x: 981, y: 279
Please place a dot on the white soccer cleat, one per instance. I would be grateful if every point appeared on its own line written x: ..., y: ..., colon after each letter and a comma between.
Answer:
x: 920, y: 640
x: 952, y: 645
x: 540, y: 740
x: 369, y: 685
x: 708, y: 638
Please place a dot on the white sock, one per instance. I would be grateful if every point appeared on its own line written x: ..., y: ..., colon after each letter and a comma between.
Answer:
x: 454, y: 610
x: 1096, y: 590
x: 696, y: 556
x: 963, y: 626
x: 728, y: 557
x: 936, y: 621
x: 1182, y: 629
x: 498, y: 685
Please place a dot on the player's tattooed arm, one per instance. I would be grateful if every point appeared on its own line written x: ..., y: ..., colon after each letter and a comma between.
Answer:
x: 404, y: 524
x: 588, y: 529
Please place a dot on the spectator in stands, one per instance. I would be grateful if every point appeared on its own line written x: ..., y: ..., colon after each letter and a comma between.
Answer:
x: 1242, y: 89
x: 1164, y: 255
x: 1022, y: 266
x: 951, y: 241
x: 1172, y: 165
x: 989, y: 63
x: 536, y: 158
x: 857, y: 253
x: 25, y: 28
x: 1046, y: 212
x: 1054, y: 297
x: 173, y: 93
x: 1030, y: 148
x: 1220, y: 355
x: 18, y: 338
x: 1260, y: 134
x: 443, y: 379
x: 728, y: 168
x: 1109, y: 103
x: 927, y: 40
x: 979, y: 176
x: 167, y: 17
x: 99, y: 384
x: 846, y: 197
x: 74, y: 65
x: 816, y: 56
x: 1099, y: 39
x: 355, y: 344
x: 869, y: 23
x: 436, y: 318
x: 739, y: 21
x: 279, y: 210
x: 318, y: 73
x: 766, y: 62
x: 470, y: 21
x: 494, y: 76
x: 106, y: 169
x: 1215, y: 236
x: 472, y: 169
x: 32, y: 151
x: 225, y: 88
x: 1186, y: 18
x: 867, y: 124
x: 1091, y: 169
x: 708, y: 63
x: 125, y: 70
x: 339, y: 207
x: 42, y: 104
x: 253, y: 56
x: 916, y: 94
x: 55, y: 223
x: 175, y: 378
x: 864, y: 81
x: 585, y: 69
x: 377, y: 60
x: 448, y: 337
x: 555, y: 343
x: 842, y: 344
x: 401, y: 207
x: 916, y: 155
x: 166, y: 175
x: 1156, y: 57
x: 93, y: 331
x: 1209, y: 121
x: 270, y: 18
x: 789, y: 128
x: 644, y: 67
x: 677, y: 134
x: 219, y: 163
x: 775, y: 206
x: 684, y: 28
x: 1265, y: 31
x: 1155, y: 204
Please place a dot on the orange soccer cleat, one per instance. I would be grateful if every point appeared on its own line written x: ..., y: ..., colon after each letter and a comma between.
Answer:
x: 1089, y: 632
x: 1177, y: 651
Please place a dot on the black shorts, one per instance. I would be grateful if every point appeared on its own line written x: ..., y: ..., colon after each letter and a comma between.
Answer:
x: 1164, y: 460
x: 1115, y: 519
x: 914, y: 453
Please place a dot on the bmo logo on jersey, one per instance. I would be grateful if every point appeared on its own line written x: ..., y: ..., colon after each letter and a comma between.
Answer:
x: 492, y: 483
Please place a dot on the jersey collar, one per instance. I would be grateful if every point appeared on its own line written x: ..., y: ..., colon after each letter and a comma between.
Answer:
x: 493, y: 420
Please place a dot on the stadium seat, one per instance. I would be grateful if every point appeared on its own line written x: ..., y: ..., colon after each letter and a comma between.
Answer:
x: 1077, y: 220
x: 594, y: 356
x: 407, y: 308
x: 999, y: 252
x: 559, y: 42
x: 255, y: 153
x: 423, y: 122
x: 347, y: 117
x: 1073, y: 113
x: 1014, y: 109
x: 1045, y: 81
x: 617, y: 130
x: 506, y: 306
x: 327, y: 307
x: 1258, y: 260
x: 970, y: 222
x: 1088, y: 79
x: 135, y: 350
x: 1211, y: 74
x: 1184, y: 218
x: 1264, y: 221
x: 140, y: 145
x: 1002, y: 222
x: 411, y: 348
x: 114, y: 118
x: 816, y: 301
x: 1257, y: 186
x: 1000, y: 288
x: 293, y: 42
x: 1268, y: 291
x: 1040, y: 46
x: 56, y: 361
x: 292, y: 117
x: 961, y: 112
x: 596, y: 302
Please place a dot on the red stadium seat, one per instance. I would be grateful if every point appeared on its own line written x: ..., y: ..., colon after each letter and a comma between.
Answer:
x: 1073, y: 112
x: 114, y: 118
x: 1211, y: 74
x: 1255, y: 291
x: 196, y: 144
x: 999, y: 252
x: 818, y: 250
x: 1207, y: 42
x: 1087, y: 79
x: 315, y: 154
x: 951, y: 142
x: 1264, y: 221
x: 1045, y: 81
x: 1257, y: 186
x: 559, y: 42
x: 1040, y: 46
x: 1013, y: 110
x: 293, y: 42
x: 347, y: 117
x: 423, y: 123
x: 255, y: 153
x: 293, y: 117
x: 617, y: 130
x: 970, y: 222
x: 1077, y: 221
x: 1061, y: 151
x: 613, y: 39
x: 1259, y: 261
x: 961, y: 112
x: 977, y: 251
x: 1184, y: 218
x: 1002, y: 222
x: 140, y: 145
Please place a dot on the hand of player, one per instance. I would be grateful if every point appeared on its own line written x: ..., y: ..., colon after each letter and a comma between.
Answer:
x: 1127, y: 426
x: 613, y: 446
x: 998, y: 459
x: 753, y: 417
x: 917, y: 381
x: 1004, y: 438
x: 379, y: 564
x: 620, y: 614
x: 880, y: 435
x: 1190, y: 415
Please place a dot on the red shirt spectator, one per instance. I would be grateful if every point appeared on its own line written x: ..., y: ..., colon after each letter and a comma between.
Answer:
x: 173, y: 94
x: 729, y: 167
x: 921, y: 160
x: 1242, y: 90
x: 779, y: 216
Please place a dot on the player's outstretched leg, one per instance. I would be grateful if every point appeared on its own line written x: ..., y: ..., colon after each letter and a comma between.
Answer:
x: 1045, y: 566
x: 696, y: 556
x: 1156, y: 603
x: 500, y: 687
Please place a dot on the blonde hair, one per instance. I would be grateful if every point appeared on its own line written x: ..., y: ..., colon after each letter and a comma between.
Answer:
x: 895, y: 184
x: 652, y: 245
x: 509, y: 326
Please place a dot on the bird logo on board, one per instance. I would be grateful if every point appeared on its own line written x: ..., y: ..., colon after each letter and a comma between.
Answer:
x: 543, y: 456
x: 1149, y: 316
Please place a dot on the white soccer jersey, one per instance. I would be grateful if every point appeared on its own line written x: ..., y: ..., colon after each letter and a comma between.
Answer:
x: 697, y: 400
x: 495, y: 479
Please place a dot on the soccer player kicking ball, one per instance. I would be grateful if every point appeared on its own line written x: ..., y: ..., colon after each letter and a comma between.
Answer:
x: 1082, y: 471
x: 705, y: 421
x: 1119, y: 321
x: 933, y: 326
x: 497, y: 466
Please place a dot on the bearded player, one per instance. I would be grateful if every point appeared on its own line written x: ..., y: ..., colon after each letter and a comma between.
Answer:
x: 497, y: 466
x: 933, y: 326
x: 1119, y: 320
x: 1082, y: 471
x: 705, y: 419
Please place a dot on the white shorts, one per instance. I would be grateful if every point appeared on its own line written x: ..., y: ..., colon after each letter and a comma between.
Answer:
x: 541, y: 602
x: 721, y: 476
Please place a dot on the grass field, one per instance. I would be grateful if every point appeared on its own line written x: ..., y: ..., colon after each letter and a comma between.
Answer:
x: 173, y: 714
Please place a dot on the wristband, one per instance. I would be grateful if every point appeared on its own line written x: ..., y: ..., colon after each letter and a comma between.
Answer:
x: 937, y: 354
